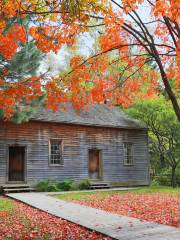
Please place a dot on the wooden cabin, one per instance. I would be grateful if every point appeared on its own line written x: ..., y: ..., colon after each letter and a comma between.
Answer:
x: 99, y: 144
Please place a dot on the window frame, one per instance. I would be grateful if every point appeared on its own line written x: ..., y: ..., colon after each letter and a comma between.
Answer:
x: 125, y: 155
x: 61, y: 148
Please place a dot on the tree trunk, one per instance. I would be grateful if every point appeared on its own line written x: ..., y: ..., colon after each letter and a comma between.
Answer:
x: 173, y: 177
x: 173, y: 99
x: 169, y: 90
x: 162, y: 161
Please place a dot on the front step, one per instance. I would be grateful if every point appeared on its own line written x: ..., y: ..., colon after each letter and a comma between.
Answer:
x: 99, y: 185
x: 13, y: 188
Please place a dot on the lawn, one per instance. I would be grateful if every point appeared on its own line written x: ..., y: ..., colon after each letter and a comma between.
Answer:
x: 157, y: 204
x: 19, y: 221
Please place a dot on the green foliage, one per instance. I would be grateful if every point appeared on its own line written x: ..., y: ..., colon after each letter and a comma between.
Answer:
x: 156, y: 113
x: 164, y: 178
x: 22, y: 116
x: 25, y: 112
x: 15, y: 20
x: 46, y: 186
x: 74, y: 186
x: 66, y: 185
x: 85, y: 184
x: 154, y: 183
x: 164, y: 132
x: 24, y: 63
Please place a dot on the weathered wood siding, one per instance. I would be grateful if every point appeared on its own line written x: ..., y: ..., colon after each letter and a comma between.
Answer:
x: 76, y: 140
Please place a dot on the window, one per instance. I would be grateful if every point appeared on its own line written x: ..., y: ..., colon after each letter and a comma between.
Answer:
x: 56, y: 152
x: 128, y: 154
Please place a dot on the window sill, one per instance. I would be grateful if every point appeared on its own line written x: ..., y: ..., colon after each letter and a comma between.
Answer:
x: 128, y: 165
x: 56, y: 165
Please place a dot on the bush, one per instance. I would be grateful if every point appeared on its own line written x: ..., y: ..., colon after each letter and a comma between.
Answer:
x: 46, y: 186
x: 75, y: 186
x: 50, y: 186
x: 154, y: 183
x: 66, y: 185
x: 85, y: 184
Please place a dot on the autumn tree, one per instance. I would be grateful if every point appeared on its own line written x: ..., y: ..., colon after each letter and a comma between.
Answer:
x: 24, y: 63
x: 19, y: 61
x: 137, y: 37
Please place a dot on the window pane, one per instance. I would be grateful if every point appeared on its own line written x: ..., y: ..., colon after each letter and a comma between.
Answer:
x: 128, y: 153
x: 56, y: 151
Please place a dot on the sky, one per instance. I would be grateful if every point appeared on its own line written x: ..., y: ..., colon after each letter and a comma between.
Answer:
x: 56, y: 63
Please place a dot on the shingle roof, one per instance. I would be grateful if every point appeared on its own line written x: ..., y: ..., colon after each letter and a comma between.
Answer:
x: 96, y: 115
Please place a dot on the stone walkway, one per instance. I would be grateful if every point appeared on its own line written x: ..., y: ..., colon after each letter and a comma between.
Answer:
x: 113, y: 225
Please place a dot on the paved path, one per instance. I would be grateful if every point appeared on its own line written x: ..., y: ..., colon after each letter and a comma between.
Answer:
x: 113, y: 225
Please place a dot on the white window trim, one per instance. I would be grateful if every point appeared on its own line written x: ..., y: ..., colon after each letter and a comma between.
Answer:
x: 62, y: 150
x: 124, y: 162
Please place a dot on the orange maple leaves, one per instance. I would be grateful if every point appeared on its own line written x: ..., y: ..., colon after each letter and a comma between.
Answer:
x: 9, y: 41
x: 167, y: 8
x: 112, y: 38
x: 89, y: 80
x: 52, y: 38
x: 15, y: 93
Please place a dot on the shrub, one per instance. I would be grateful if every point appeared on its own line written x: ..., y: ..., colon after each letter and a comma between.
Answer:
x: 46, y: 186
x: 52, y: 188
x: 66, y: 185
x: 75, y: 186
x: 85, y: 184
x: 154, y: 183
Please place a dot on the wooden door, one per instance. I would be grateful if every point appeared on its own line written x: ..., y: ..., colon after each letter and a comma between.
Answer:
x: 16, y: 163
x: 94, y: 164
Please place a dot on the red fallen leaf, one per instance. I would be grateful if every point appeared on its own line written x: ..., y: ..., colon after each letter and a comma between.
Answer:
x: 27, y: 223
x: 156, y: 207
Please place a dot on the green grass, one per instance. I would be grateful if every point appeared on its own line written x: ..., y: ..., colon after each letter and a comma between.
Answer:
x: 161, y: 189
x: 139, y: 190
x: 5, y: 204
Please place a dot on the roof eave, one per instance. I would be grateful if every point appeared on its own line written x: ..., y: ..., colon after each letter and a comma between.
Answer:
x: 92, y: 125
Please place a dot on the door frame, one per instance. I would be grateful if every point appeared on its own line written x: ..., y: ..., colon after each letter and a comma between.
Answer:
x: 100, y: 163
x: 25, y: 163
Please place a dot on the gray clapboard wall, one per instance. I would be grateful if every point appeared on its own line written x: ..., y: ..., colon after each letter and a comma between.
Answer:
x: 77, y: 140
